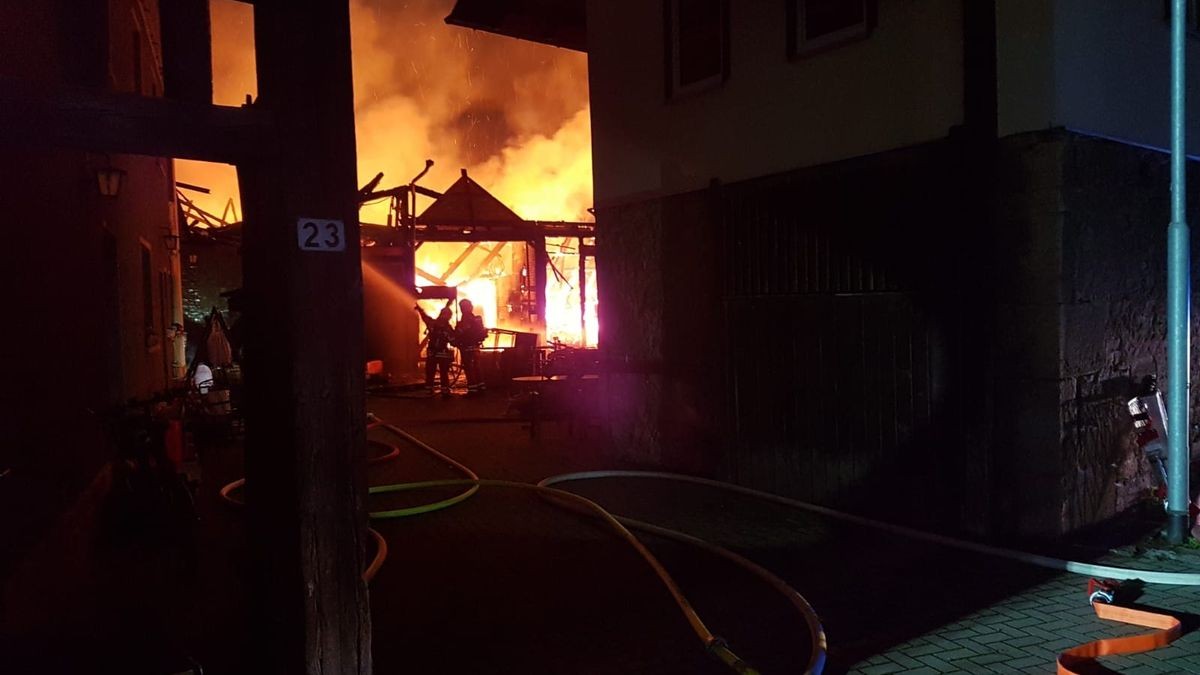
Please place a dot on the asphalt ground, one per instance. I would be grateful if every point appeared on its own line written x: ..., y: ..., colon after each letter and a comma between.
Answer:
x: 508, y: 582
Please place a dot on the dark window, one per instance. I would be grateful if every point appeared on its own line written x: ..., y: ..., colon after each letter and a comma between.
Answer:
x: 817, y: 25
x: 697, y: 46
x: 147, y: 291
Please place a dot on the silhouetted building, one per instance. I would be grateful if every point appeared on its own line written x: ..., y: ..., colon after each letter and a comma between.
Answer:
x: 92, y: 261
x: 902, y: 254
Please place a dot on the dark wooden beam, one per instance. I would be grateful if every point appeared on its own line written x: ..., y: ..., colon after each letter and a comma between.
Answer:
x: 501, y: 231
x: 34, y: 114
x: 561, y: 23
x: 304, y: 371
x: 462, y: 257
x: 541, y: 268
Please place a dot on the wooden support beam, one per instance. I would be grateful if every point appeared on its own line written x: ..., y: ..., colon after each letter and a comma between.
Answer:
x: 582, y: 293
x: 542, y: 270
x: 492, y: 254
x: 429, y: 277
x: 304, y: 374
x: 34, y: 114
x: 458, y: 262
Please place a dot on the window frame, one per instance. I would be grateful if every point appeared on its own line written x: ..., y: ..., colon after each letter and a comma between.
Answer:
x: 675, y: 90
x: 799, y: 48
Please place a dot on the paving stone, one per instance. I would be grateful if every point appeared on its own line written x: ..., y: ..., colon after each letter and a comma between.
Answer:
x: 1024, y: 641
x: 1031, y: 662
x: 904, y: 660
x: 999, y: 667
x: 992, y: 636
x: 937, y: 663
x: 881, y: 669
x: 986, y: 659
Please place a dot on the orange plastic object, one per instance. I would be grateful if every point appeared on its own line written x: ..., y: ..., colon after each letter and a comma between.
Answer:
x: 1079, y: 657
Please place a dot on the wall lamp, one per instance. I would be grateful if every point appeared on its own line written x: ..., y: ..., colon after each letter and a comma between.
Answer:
x: 109, y: 179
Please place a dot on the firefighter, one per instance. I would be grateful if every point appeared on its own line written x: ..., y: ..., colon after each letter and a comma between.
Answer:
x: 438, y: 355
x: 468, y: 336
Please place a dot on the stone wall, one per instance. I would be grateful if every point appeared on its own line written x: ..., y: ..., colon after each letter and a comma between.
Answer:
x: 1024, y: 329
x: 1026, y: 345
x: 694, y: 402
x: 1081, y: 317
x: 629, y: 247
x: 1116, y: 210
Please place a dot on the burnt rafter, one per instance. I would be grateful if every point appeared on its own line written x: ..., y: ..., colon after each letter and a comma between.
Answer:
x: 34, y: 114
x: 465, y: 212
x: 400, y: 191
x: 527, y: 230
x: 561, y: 23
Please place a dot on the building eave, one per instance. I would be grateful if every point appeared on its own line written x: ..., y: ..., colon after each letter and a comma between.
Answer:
x: 559, y: 23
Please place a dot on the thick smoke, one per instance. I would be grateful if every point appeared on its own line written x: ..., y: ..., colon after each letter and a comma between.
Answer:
x: 514, y: 114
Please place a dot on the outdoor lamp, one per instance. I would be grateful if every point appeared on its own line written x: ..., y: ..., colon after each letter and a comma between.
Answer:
x: 108, y: 179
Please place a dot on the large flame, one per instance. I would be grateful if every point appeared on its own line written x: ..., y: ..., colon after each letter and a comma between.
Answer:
x: 515, y: 114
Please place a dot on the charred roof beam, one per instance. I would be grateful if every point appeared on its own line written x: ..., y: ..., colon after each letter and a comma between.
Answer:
x: 33, y: 114
x: 560, y: 23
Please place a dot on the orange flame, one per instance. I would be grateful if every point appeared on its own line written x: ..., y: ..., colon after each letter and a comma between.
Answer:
x: 515, y: 114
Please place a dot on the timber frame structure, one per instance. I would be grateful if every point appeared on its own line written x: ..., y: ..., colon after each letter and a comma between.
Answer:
x: 294, y: 149
x: 467, y: 213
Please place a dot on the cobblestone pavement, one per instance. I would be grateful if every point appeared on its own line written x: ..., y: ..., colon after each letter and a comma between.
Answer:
x: 1024, y: 633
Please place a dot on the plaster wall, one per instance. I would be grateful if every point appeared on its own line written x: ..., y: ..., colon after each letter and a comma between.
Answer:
x: 1100, y: 67
x: 773, y: 113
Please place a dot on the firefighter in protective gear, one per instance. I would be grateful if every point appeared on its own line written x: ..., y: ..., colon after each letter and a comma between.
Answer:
x: 438, y: 355
x: 469, y: 334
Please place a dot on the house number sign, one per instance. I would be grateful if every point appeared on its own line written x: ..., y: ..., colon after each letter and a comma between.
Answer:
x: 317, y: 234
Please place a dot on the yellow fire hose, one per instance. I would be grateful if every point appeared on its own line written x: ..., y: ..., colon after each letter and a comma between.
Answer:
x: 1167, y: 627
x: 712, y: 644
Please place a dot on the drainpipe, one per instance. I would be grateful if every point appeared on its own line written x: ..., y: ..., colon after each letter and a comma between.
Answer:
x: 1178, y: 298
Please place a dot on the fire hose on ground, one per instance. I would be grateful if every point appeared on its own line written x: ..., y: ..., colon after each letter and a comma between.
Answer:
x: 1102, y: 594
x: 1167, y: 627
x: 714, y: 645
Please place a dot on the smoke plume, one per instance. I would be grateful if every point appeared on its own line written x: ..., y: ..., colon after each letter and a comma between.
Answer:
x: 515, y: 114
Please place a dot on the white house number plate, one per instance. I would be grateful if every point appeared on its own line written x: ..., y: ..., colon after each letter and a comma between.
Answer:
x: 316, y: 234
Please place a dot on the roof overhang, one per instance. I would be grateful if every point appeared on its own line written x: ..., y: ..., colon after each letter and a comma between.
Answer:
x: 560, y: 23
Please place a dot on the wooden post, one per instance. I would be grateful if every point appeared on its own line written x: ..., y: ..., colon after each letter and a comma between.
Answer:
x: 304, y: 372
x: 582, y: 293
x: 542, y: 268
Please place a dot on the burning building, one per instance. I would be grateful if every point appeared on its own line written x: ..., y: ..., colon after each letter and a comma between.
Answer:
x: 524, y: 277
x: 514, y: 115
x: 532, y: 278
